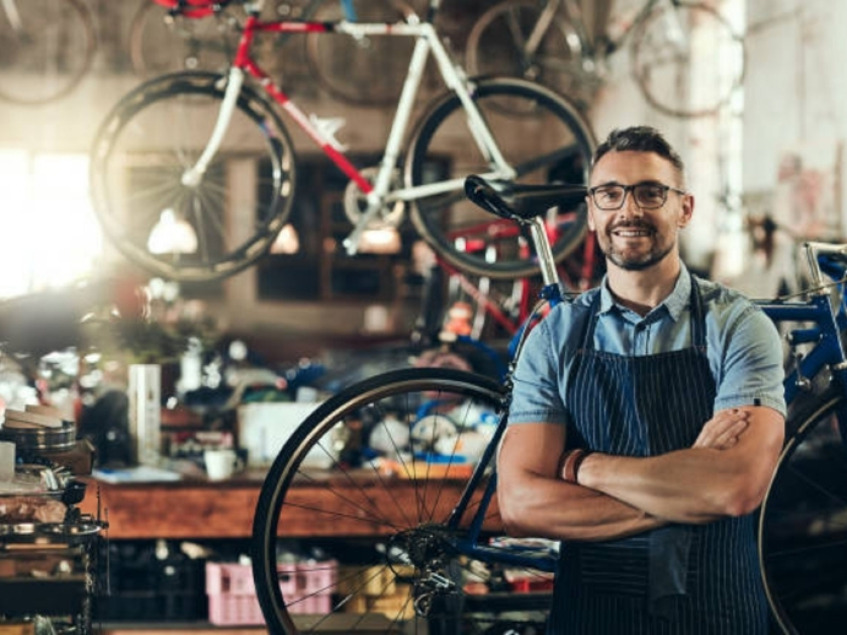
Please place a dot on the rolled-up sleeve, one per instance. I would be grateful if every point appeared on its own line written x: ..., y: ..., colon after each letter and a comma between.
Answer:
x: 537, y: 380
x: 752, y: 368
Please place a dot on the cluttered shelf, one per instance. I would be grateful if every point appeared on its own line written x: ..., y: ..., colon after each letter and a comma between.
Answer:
x: 202, y: 509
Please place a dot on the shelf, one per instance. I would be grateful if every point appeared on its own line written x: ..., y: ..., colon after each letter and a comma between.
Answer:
x: 200, y: 509
x: 337, y: 624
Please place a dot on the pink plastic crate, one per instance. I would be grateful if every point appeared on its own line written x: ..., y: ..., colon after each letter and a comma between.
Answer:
x: 229, y: 609
x: 289, y: 580
x: 317, y: 578
x: 229, y: 578
x: 312, y: 604
x: 232, y: 593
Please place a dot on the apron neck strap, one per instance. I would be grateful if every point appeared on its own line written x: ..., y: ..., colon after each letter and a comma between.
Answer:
x: 698, y: 324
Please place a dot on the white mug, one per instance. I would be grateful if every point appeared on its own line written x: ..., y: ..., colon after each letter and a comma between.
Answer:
x: 220, y: 464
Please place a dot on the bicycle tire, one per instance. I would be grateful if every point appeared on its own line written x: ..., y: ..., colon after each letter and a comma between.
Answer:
x: 51, y: 53
x: 668, y: 76
x: 495, y: 42
x: 368, y: 71
x: 160, y: 43
x: 143, y: 148
x: 382, y: 574
x: 802, y: 521
x: 542, y: 136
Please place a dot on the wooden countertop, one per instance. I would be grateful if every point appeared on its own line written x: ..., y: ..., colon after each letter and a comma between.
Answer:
x: 198, y: 508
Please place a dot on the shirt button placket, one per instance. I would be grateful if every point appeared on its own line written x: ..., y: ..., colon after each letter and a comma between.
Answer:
x: 641, y: 332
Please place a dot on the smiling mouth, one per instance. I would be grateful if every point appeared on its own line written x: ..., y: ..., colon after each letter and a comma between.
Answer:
x: 632, y: 233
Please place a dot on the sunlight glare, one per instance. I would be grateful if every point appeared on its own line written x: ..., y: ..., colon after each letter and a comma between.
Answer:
x: 51, y: 236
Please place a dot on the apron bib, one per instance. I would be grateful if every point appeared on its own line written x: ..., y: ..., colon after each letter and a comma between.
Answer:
x: 679, y: 579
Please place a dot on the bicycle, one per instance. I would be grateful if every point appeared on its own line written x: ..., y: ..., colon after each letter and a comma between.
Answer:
x: 211, y: 151
x: 161, y: 42
x: 499, y: 307
x: 437, y: 523
x: 550, y: 42
x: 46, y: 49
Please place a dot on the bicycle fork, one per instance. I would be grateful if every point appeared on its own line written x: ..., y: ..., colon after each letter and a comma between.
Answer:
x: 193, y: 176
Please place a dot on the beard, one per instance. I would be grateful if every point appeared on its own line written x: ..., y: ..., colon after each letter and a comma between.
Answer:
x: 638, y: 262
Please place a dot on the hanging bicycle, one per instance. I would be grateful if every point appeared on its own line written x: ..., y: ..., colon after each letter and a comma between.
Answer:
x: 685, y: 56
x: 208, y: 156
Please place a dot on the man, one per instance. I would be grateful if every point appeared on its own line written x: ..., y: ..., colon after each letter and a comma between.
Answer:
x: 646, y: 422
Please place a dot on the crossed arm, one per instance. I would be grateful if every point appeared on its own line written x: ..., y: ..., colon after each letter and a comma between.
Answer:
x: 724, y: 473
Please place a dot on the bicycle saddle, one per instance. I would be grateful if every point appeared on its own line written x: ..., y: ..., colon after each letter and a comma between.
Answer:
x: 522, y: 202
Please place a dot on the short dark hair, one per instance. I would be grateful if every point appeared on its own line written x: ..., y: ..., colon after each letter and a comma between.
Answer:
x: 639, y: 139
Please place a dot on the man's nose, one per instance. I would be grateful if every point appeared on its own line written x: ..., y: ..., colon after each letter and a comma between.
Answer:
x: 630, y: 207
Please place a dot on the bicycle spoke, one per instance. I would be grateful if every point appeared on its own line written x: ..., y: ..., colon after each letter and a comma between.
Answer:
x: 145, y: 150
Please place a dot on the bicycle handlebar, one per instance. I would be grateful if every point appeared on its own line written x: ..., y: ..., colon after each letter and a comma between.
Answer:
x: 819, y: 254
x: 522, y: 203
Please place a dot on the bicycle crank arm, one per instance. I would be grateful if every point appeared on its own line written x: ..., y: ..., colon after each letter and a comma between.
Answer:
x: 351, y: 243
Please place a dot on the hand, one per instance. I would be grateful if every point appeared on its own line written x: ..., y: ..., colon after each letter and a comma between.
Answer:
x: 722, y: 431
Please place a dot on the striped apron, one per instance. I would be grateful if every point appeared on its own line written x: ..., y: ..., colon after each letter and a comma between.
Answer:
x: 679, y: 579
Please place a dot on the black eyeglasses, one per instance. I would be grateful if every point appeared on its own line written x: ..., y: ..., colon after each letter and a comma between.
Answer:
x: 648, y: 195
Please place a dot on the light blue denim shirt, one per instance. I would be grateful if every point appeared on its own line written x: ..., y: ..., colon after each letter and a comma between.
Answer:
x: 743, y: 348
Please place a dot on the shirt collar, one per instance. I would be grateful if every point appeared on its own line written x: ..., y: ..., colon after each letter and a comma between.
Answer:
x: 674, y: 304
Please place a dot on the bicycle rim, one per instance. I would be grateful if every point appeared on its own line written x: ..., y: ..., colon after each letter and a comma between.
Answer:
x: 191, y: 232
x: 496, y: 46
x: 540, y: 134
x: 334, y: 477
x: 687, y: 60
x: 49, y: 52
x: 803, y: 524
x: 161, y: 44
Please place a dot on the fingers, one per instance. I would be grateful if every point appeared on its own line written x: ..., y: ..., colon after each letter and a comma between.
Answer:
x: 722, y: 431
x: 730, y: 436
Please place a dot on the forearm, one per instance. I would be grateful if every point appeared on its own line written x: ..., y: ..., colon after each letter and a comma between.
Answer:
x: 695, y: 485
x: 551, y: 508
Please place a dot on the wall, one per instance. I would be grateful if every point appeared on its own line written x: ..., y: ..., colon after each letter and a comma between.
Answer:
x: 794, y: 127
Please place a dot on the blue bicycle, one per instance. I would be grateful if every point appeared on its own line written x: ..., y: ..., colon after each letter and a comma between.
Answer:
x: 402, y: 466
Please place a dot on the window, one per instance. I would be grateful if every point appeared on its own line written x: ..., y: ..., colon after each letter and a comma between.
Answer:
x: 50, y: 235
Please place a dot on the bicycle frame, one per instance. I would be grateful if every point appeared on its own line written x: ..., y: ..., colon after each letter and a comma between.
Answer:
x: 380, y: 191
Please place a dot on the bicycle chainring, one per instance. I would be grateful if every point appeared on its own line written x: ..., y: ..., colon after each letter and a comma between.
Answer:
x: 355, y: 203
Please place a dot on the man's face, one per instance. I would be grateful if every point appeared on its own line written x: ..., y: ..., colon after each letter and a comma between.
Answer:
x: 632, y: 237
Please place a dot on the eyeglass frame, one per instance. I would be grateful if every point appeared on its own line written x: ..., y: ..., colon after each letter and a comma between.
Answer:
x: 631, y: 188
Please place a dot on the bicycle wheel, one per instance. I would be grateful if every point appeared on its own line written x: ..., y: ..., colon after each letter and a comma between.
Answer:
x: 191, y: 231
x: 497, y: 46
x: 803, y: 522
x: 687, y: 59
x: 46, y: 48
x: 160, y: 43
x: 363, y: 71
x: 540, y: 134
x: 399, y: 569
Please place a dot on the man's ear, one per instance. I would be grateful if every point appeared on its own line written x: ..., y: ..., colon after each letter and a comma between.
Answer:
x: 687, y: 210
